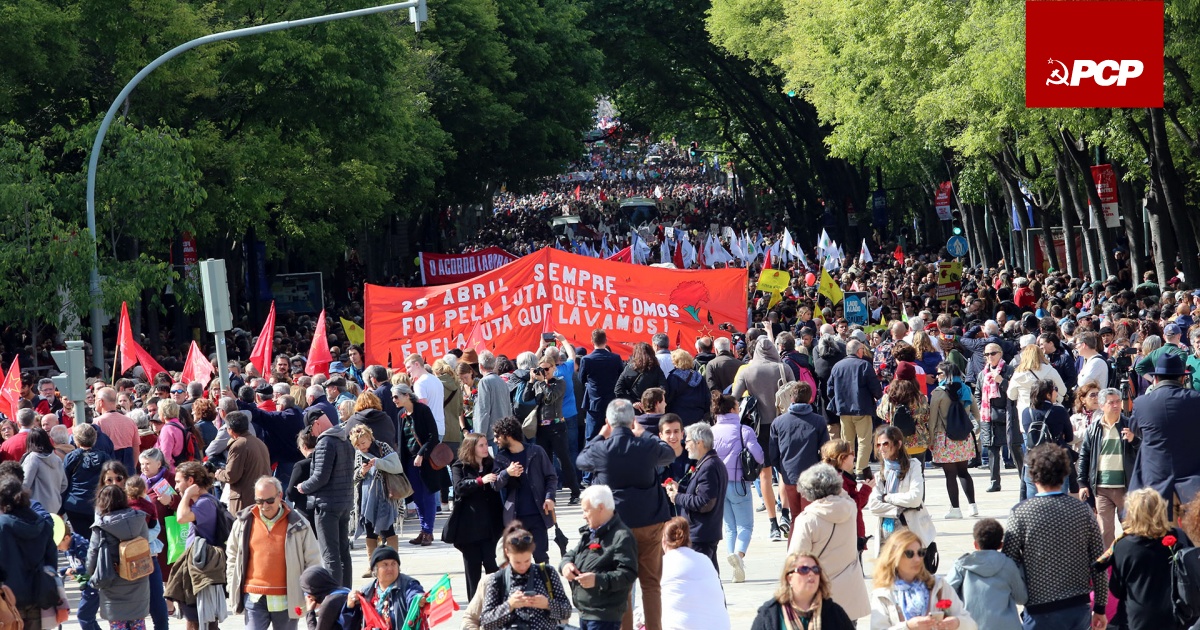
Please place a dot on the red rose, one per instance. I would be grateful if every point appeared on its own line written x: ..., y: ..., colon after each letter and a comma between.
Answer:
x: 944, y: 604
x: 668, y: 482
x: 594, y: 546
x: 1169, y: 540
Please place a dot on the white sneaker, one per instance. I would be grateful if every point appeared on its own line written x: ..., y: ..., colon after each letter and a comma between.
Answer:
x: 974, y: 509
x: 739, y: 568
x: 954, y: 513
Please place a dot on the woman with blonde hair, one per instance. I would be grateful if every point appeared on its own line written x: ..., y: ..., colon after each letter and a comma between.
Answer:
x: 928, y: 356
x: 691, y: 587
x: 801, y: 601
x: 376, y: 512
x: 1141, y: 562
x: 1031, y: 368
x: 907, y: 595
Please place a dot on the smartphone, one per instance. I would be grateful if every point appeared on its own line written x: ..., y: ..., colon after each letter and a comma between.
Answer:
x: 530, y: 593
x: 548, y: 336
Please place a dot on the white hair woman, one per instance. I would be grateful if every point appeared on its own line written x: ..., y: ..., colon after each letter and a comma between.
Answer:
x: 827, y: 529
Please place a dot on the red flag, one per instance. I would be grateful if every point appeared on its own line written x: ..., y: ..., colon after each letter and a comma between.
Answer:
x: 767, y: 259
x: 625, y: 255
x: 125, y: 341
x: 10, y: 391
x: 146, y: 360
x: 318, y: 353
x: 603, y: 197
x: 577, y: 193
x: 264, y: 346
x: 898, y: 255
x: 196, y: 367
x: 677, y: 256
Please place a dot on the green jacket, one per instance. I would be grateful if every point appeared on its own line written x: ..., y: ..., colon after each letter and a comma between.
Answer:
x: 612, y: 555
x: 1146, y: 365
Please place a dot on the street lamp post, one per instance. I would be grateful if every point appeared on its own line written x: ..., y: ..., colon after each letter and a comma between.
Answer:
x: 417, y: 13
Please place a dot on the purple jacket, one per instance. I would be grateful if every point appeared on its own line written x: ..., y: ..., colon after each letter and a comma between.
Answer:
x: 728, y: 445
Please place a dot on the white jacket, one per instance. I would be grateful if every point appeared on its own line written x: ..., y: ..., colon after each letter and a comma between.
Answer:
x: 909, y: 498
x: 1020, y: 386
x: 885, y: 615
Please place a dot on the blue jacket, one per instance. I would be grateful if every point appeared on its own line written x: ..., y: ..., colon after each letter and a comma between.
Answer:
x: 539, y: 474
x: 1164, y: 419
x: 991, y: 586
x: 854, y: 387
x: 599, y: 371
x: 688, y: 395
x: 326, y: 407
x: 629, y: 465
x: 702, y: 500
x: 796, y: 439
x: 27, y: 541
x: 83, y: 475
x: 278, y: 430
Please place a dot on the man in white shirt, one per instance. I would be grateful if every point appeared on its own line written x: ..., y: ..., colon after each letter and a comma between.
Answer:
x: 1094, y: 369
x: 428, y: 390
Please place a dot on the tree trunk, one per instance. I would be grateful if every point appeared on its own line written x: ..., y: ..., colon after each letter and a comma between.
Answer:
x: 1077, y: 150
x: 1173, y: 197
x: 1162, y: 234
x: 1131, y: 216
x: 1071, y: 265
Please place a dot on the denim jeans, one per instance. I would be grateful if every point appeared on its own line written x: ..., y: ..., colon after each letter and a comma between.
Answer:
x: 592, y: 423
x: 588, y: 624
x: 333, y: 537
x: 738, y: 516
x: 259, y: 618
x: 573, y: 441
x: 158, y: 605
x: 1073, y: 618
x: 89, y: 605
x: 425, y: 500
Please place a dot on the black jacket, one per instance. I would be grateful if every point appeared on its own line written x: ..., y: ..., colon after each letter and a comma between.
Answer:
x: 702, y: 500
x: 629, y: 466
x: 1004, y: 413
x: 420, y: 436
x: 539, y: 475
x: 478, y: 513
x: 611, y: 553
x: 599, y: 371
x: 632, y: 384
x: 795, y: 442
x: 278, y: 430
x: 382, y: 426
x: 1141, y: 578
x: 833, y: 617
x: 1089, y: 454
x: 688, y: 395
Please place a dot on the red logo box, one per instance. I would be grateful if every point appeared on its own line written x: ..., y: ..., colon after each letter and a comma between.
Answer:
x: 1093, y: 54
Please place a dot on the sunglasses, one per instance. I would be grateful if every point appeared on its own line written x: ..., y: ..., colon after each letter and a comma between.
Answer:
x: 990, y: 354
x: 269, y: 501
x: 805, y: 570
x: 1093, y: 395
x: 882, y: 444
x: 909, y: 553
x: 177, y: 391
x: 520, y: 540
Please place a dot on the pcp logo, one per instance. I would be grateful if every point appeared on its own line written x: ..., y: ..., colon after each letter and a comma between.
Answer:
x: 1093, y: 54
x: 1103, y: 73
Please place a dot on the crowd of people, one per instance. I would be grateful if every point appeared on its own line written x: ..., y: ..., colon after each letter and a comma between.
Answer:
x: 195, y: 500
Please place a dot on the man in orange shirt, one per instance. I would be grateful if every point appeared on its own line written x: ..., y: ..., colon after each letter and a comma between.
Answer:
x: 262, y: 574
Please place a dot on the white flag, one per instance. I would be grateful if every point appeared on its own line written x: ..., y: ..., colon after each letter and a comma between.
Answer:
x: 866, y: 253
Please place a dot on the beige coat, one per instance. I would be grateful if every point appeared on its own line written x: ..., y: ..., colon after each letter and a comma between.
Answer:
x: 300, y: 551
x: 474, y: 610
x: 886, y: 616
x: 827, y: 528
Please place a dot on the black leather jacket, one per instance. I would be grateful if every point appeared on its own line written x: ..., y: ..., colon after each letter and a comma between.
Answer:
x: 1089, y: 453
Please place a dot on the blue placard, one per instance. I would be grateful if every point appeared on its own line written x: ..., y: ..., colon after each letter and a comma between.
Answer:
x: 855, y: 308
x: 957, y: 246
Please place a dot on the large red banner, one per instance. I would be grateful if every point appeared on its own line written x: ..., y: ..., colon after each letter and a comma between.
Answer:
x: 451, y: 268
x: 507, y: 310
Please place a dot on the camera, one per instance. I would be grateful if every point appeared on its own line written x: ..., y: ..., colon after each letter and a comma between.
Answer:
x: 539, y: 371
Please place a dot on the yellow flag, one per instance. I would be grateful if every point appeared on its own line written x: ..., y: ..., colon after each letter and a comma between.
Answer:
x: 829, y: 288
x: 775, y: 298
x: 354, y: 332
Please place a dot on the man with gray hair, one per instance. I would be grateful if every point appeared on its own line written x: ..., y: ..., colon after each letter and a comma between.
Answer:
x: 606, y: 550
x: 662, y: 352
x: 492, y: 401
x: 118, y: 427
x: 315, y: 394
x: 720, y: 372
x: 854, y: 390
x: 1106, y: 460
x: 376, y: 378
x: 702, y: 500
x: 13, y: 448
x: 269, y: 546
x: 625, y: 459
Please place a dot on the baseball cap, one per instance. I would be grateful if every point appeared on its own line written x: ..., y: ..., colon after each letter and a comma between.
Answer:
x: 1172, y: 330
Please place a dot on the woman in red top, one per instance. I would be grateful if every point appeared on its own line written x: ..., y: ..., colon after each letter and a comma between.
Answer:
x: 840, y: 455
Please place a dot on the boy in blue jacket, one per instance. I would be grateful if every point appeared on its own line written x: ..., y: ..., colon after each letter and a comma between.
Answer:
x: 989, y: 582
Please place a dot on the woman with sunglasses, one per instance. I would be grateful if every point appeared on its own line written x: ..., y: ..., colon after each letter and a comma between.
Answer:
x: 906, y: 595
x: 522, y: 595
x: 998, y: 423
x: 898, y: 498
x: 801, y: 600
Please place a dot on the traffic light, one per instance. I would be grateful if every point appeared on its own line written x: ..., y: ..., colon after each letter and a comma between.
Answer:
x: 956, y: 222
x: 695, y: 149
x: 70, y: 363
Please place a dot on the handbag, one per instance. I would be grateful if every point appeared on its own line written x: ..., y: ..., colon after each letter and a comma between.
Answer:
x: 529, y: 425
x: 750, y: 466
x: 440, y: 456
x: 398, y: 486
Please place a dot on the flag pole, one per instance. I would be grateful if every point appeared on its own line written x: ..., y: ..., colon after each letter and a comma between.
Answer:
x: 115, y: 352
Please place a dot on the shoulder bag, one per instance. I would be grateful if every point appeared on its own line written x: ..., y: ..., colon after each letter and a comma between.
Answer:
x: 440, y: 456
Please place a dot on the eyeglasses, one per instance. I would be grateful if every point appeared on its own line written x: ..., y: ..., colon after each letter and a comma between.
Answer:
x: 1093, y: 395
x: 177, y: 391
x: 883, y: 444
x: 268, y: 501
x: 991, y: 354
x: 909, y: 553
x: 805, y: 570
x: 520, y: 540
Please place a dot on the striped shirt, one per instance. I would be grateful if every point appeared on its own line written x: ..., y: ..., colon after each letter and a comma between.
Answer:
x: 1111, y: 462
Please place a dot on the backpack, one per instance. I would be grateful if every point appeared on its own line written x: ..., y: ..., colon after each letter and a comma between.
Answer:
x: 749, y: 412
x: 187, y: 453
x: 1038, y: 425
x: 1185, y: 585
x: 958, y: 420
x: 223, y: 524
x: 10, y: 615
x: 903, y: 419
x: 133, y: 559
